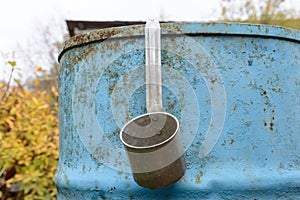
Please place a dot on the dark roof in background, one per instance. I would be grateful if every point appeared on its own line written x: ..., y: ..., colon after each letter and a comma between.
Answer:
x: 79, y: 27
x: 74, y: 26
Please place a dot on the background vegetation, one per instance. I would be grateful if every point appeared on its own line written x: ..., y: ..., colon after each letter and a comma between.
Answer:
x: 28, y: 112
x: 260, y: 12
x: 28, y: 141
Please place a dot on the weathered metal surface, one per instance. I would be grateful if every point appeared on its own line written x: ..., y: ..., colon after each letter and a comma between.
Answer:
x: 186, y: 28
x: 244, y: 80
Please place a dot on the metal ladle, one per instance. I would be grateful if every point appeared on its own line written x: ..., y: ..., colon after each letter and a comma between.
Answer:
x: 152, y: 140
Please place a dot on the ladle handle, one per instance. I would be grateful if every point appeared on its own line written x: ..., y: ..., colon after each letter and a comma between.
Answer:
x: 153, y: 66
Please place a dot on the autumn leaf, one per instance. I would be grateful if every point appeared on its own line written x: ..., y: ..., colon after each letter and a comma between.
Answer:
x: 12, y: 63
x: 36, y: 82
x: 17, y: 81
x: 38, y: 69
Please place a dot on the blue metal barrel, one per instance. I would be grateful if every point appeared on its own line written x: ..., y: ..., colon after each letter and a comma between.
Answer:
x: 235, y: 89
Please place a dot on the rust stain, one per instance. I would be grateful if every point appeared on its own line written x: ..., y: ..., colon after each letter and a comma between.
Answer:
x: 66, y: 179
x: 172, y: 105
x: 265, y: 123
x: 234, y: 107
x: 267, y: 30
x: 88, y: 38
x: 272, y: 122
x: 232, y: 141
x: 176, y: 28
x: 271, y: 126
x: 198, y: 177
x: 91, y: 37
x: 265, y: 92
x: 131, y: 196
x: 224, y: 143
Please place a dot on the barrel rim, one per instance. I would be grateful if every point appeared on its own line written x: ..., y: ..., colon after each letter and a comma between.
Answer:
x: 194, y: 28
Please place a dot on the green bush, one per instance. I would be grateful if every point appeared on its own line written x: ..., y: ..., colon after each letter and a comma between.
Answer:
x: 28, y: 143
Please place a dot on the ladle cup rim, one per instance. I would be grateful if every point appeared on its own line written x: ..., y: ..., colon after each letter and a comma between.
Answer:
x: 150, y: 146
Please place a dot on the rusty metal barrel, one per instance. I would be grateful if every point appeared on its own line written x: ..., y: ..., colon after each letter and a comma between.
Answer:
x: 234, y: 88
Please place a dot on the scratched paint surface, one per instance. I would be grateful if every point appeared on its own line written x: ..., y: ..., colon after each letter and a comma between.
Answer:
x: 257, y: 155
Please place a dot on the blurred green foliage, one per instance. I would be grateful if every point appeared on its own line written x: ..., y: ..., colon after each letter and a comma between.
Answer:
x: 28, y: 142
x: 270, y: 12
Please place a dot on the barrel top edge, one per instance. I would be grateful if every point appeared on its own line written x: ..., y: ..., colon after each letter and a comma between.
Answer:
x: 197, y: 28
